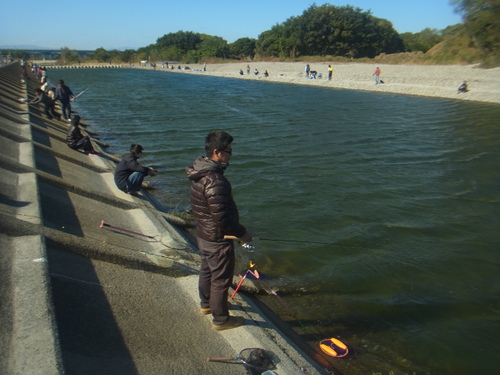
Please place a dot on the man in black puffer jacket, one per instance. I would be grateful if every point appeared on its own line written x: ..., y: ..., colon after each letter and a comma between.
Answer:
x: 217, y: 216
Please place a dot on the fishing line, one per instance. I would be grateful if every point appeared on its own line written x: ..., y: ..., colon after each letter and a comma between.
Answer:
x: 294, y: 241
x: 272, y: 292
x: 160, y: 238
x: 332, y: 347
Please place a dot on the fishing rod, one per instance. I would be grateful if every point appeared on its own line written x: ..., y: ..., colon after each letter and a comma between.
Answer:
x: 73, y: 99
x: 103, y: 224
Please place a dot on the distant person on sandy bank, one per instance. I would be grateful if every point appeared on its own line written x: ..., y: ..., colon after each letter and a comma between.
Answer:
x: 307, y: 70
x: 48, y: 102
x: 64, y: 95
x: 377, y: 75
x: 330, y: 72
x: 241, y: 72
x: 129, y: 173
x: 76, y: 140
x: 266, y: 74
x: 256, y: 72
x: 248, y: 69
x: 462, y: 88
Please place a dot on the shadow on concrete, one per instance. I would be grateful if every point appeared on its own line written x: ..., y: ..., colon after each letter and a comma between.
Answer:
x: 91, y: 341
x: 40, y: 137
x: 58, y: 210
x: 12, y: 202
x: 6, y: 308
x: 46, y: 162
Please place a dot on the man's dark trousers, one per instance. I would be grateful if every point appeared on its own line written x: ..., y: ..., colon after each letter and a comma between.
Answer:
x: 216, y: 276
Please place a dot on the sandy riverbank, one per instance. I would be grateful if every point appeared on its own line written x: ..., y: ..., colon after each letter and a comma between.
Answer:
x: 433, y: 81
x: 439, y: 81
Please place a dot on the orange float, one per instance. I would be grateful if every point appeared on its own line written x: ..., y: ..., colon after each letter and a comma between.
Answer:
x: 334, y: 347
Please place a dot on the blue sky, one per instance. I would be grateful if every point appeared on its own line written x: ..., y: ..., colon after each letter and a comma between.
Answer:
x: 113, y: 24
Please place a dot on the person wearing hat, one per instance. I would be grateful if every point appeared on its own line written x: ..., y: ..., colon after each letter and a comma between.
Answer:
x: 129, y: 173
x: 76, y: 140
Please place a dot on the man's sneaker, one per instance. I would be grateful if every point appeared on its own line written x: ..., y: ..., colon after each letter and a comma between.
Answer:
x: 231, y: 322
x: 207, y: 310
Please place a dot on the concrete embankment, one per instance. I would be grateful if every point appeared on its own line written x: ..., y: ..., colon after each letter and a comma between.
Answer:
x: 78, y: 298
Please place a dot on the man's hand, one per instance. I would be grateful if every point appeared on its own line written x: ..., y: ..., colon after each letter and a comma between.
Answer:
x: 247, y: 237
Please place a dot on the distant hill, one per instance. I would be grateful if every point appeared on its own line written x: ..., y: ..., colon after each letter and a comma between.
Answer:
x: 457, y: 48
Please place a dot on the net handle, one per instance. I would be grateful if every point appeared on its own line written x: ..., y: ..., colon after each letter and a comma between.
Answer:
x: 223, y: 359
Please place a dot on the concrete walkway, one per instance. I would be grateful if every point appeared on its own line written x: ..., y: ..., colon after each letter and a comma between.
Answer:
x: 80, y: 299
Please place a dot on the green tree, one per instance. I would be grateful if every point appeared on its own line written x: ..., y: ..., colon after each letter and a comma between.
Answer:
x: 270, y: 43
x: 452, y: 29
x: 423, y: 40
x: 182, y: 40
x: 243, y: 48
x: 212, y: 46
x: 101, y: 55
x: 282, y: 41
x: 68, y: 56
x: 128, y: 56
x: 482, y: 23
x: 330, y: 30
x: 17, y: 54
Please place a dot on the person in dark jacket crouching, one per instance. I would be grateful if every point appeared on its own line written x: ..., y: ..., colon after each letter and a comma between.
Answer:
x: 217, y: 216
x: 76, y: 140
x: 129, y: 174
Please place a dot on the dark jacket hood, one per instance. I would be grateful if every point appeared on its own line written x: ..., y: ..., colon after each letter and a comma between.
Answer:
x: 202, y: 166
x: 75, y: 120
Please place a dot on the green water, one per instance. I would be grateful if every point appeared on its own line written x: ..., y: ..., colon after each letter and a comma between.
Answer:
x: 387, y: 205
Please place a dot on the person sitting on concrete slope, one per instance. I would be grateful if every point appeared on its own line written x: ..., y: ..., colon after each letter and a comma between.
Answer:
x: 76, y: 140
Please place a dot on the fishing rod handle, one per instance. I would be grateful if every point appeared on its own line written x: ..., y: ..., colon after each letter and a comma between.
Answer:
x: 227, y: 237
x: 220, y: 359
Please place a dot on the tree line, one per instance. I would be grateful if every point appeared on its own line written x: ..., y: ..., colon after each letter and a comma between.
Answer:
x: 326, y: 31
